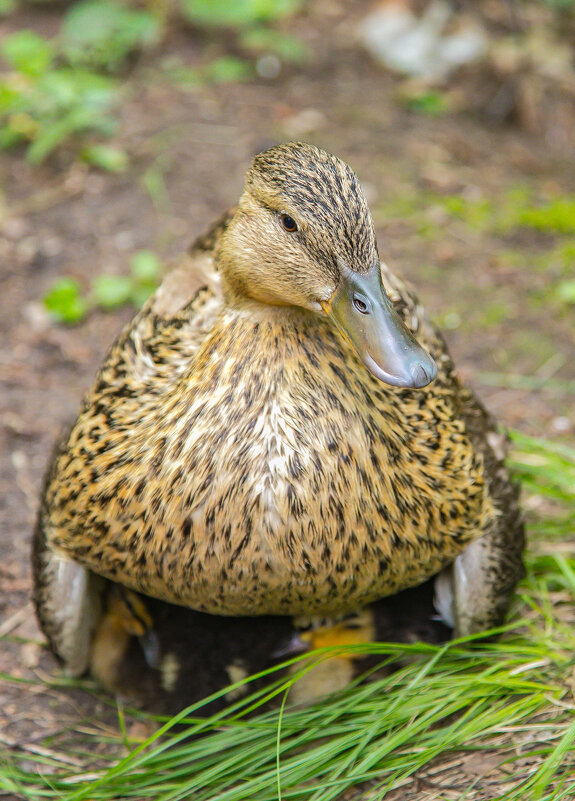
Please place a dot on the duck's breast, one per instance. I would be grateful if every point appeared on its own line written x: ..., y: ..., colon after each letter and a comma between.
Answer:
x: 276, y: 475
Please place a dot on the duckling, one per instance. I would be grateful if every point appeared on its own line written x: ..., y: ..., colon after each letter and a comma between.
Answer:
x: 406, y: 617
x: 278, y: 432
x: 166, y: 658
x: 125, y: 616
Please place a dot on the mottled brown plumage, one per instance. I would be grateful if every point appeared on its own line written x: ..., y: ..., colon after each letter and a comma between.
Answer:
x: 236, y: 456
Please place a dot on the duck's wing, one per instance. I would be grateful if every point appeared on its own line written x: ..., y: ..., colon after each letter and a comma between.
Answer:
x: 481, y: 580
x: 68, y: 603
x: 190, y: 273
x: 67, y: 595
x: 474, y: 592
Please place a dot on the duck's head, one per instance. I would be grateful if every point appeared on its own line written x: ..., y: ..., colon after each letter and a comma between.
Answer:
x: 303, y: 236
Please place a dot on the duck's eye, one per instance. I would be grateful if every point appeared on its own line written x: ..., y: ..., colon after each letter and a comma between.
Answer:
x: 360, y: 305
x: 289, y: 223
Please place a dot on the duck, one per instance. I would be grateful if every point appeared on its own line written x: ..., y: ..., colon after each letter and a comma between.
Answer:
x: 163, y: 658
x: 279, y: 433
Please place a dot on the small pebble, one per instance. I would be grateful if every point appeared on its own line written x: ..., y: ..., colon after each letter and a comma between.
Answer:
x: 30, y: 654
x: 124, y: 240
x: 27, y: 249
x: 14, y: 228
x: 452, y: 320
x: 561, y: 425
x: 95, y: 184
x: 19, y: 460
x: 302, y: 123
x: 52, y: 246
x: 370, y: 191
x: 36, y: 315
x: 268, y: 66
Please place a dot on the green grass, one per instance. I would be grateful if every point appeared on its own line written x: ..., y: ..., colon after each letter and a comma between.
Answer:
x: 513, y: 210
x: 66, y: 303
x: 512, y: 697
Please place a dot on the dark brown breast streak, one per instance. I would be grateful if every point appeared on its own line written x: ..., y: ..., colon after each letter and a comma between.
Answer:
x: 269, y: 477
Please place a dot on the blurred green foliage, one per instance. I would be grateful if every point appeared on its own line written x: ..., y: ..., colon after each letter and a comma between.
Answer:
x: 427, y: 102
x: 102, y: 34
x: 566, y: 292
x: 237, y: 13
x: 28, y: 53
x: 559, y: 216
x: 57, y: 88
x: 43, y: 103
x: 226, y: 69
x: 561, y: 5
x: 284, y: 45
x: 110, y: 159
x: 66, y: 302
x: 7, y: 7
x: 517, y: 208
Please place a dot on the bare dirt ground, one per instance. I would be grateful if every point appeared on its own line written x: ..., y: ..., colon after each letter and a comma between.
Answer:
x: 67, y: 219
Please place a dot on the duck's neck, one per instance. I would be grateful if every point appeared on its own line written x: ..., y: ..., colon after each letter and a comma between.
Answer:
x: 258, y: 311
x: 239, y: 294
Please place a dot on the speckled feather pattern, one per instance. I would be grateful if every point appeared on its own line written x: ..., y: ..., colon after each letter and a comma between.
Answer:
x: 295, y: 485
x: 328, y: 195
x: 239, y: 458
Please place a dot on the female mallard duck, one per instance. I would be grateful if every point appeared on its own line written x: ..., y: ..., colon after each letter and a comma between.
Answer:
x: 267, y: 437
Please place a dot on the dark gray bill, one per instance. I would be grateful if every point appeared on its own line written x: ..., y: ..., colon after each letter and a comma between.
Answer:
x: 361, y: 309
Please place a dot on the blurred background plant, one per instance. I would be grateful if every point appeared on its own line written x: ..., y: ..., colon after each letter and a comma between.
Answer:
x: 44, y: 101
x: 67, y: 303
x: 65, y: 86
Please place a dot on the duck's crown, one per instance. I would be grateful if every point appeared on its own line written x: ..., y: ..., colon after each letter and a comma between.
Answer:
x: 322, y: 192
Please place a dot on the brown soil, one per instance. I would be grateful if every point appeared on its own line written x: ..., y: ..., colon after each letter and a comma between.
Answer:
x: 66, y: 219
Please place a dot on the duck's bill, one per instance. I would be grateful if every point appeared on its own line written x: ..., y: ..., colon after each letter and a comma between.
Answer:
x: 361, y: 310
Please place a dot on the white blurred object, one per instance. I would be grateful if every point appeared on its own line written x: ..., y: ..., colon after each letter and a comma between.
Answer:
x: 395, y: 36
